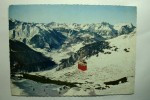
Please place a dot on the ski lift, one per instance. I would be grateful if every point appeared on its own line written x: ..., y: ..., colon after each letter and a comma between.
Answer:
x: 82, y: 64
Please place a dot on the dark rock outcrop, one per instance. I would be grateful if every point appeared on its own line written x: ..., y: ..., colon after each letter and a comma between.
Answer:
x: 116, y: 82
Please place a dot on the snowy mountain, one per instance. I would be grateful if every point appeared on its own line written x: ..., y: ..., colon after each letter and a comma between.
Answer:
x: 65, y: 42
x: 36, y: 35
x: 53, y: 35
x: 124, y: 28
x: 109, y: 51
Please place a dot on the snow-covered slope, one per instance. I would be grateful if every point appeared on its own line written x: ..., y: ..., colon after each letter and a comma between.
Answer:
x: 104, y: 67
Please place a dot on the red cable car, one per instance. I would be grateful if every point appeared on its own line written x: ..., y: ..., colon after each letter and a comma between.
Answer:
x: 82, y: 65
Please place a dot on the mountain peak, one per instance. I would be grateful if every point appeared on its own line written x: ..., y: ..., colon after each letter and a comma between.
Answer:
x: 105, y: 23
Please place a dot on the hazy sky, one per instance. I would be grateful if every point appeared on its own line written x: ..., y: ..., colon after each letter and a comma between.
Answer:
x: 73, y: 13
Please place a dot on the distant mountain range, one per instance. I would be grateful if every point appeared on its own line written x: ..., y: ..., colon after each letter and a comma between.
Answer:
x: 53, y: 35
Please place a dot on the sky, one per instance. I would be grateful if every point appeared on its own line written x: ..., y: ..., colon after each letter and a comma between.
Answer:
x: 73, y: 13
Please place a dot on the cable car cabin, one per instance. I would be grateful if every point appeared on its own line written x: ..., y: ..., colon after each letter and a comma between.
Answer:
x: 82, y: 65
